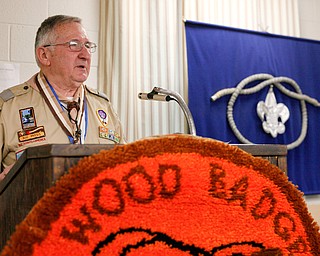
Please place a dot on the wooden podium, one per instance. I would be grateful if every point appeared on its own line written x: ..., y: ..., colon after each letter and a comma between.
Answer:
x: 39, y: 168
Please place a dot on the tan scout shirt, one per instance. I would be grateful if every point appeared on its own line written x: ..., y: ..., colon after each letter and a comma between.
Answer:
x: 25, y: 97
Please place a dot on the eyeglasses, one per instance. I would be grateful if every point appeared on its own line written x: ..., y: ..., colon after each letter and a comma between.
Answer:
x: 76, y: 45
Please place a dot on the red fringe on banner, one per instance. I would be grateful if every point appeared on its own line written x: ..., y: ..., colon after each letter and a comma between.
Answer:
x: 169, y: 195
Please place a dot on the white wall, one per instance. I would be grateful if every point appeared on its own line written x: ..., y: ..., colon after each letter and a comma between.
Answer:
x: 309, y: 28
x: 19, y: 21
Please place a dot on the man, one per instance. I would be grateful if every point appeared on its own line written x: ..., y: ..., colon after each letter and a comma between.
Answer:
x: 54, y: 106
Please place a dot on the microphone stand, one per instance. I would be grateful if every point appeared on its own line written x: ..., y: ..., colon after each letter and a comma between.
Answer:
x: 157, y: 91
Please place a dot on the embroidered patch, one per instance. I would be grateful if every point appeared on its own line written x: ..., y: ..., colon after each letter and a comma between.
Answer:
x: 27, y: 118
x: 106, y: 133
x: 174, y: 195
x: 103, y: 117
x: 31, y: 134
x: 21, y: 144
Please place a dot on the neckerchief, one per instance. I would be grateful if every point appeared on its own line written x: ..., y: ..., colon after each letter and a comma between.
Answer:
x: 58, y: 111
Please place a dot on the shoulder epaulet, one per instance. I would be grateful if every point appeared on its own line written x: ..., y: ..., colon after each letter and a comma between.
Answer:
x: 12, y: 92
x: 95, y: 92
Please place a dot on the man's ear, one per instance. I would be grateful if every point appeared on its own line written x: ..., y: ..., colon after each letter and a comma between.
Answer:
x: 43, y: 55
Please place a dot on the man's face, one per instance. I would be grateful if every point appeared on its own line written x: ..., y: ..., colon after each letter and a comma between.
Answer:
x: 66, y: 67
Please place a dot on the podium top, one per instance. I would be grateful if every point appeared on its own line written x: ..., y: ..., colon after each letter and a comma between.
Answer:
x: 76, y: 150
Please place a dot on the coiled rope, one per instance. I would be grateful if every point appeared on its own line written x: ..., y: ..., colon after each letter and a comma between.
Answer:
x: 269, y: 80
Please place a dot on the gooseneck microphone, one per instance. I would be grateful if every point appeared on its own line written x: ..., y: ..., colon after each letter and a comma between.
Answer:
x: 160, y: 94
x: 154, y: 96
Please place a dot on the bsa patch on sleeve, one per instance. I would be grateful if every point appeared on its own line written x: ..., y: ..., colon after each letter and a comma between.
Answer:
x: 27, y: 118
x: 30, y: 130
x: 102, y: 116
x: 31, y: 134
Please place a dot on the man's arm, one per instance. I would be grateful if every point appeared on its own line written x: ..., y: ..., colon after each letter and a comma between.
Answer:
x: 2, y: 172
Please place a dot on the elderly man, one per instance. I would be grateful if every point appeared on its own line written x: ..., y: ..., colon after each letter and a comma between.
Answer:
x: 55, y: 106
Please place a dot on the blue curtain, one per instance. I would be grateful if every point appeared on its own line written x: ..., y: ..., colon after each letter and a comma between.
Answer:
x: 220, y: 57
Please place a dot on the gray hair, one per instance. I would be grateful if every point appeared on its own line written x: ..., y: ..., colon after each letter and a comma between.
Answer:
x: 46, y: 31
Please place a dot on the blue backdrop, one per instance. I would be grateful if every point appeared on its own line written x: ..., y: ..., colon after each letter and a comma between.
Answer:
x: 220, y: 57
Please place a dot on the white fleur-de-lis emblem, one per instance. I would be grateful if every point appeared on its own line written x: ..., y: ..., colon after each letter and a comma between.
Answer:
x: 272, y: 114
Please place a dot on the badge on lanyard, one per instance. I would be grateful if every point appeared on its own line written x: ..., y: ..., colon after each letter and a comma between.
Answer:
x: 30, y: 131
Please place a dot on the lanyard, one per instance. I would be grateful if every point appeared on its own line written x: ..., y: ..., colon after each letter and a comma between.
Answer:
x: 58, y: 110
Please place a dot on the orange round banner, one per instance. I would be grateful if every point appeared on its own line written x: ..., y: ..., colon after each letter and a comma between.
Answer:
x: 174, y: 195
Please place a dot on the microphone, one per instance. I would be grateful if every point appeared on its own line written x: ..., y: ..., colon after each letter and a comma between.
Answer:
x: 154, y: 96
x: 161, y: 94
